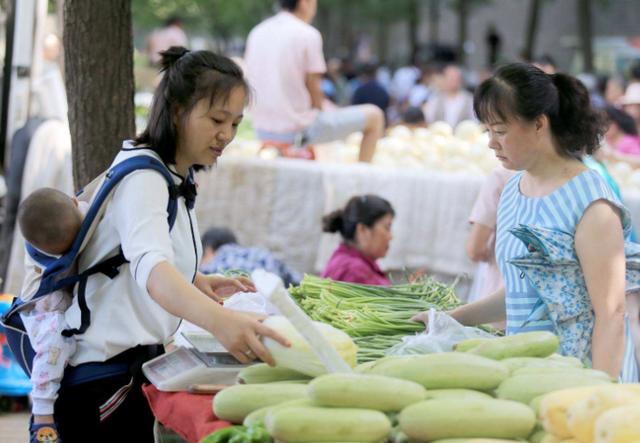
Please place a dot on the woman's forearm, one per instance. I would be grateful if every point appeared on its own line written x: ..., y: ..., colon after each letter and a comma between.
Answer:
x: 179, y: 297
x: 608, y: 343
x: 487, y: 310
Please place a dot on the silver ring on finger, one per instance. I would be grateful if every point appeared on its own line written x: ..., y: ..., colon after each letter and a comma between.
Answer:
x: 248, y: 353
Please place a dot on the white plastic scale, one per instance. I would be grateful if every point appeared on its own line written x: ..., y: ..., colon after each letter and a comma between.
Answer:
x: 208, y: 362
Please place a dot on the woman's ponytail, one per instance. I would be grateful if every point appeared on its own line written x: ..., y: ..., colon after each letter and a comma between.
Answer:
x: 333, y: 222
x: 171, y: 56
x: 577, y: 126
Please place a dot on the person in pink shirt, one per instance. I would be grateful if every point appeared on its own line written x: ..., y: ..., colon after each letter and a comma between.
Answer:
x: 365, y: 226
x: 622, y: 134
x: 481, y: 241
x: 285, y: 64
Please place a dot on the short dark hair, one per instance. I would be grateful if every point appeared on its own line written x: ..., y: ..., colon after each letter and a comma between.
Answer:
x: 369, y: 69
x: 218, y: 236
x: 173, y: 20
x: 49, y: 220
x: 624, y: 121
x: 289, y: 5
x: 524, y: 92
x: 413, y: 116
x: 188, y: 77
x: 365, y: 209
x: 634, y: 70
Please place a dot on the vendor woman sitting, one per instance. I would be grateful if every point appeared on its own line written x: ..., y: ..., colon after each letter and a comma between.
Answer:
x: 365, y: 227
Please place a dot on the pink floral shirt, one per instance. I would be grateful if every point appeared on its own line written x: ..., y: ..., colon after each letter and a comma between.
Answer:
x: 349, y: 265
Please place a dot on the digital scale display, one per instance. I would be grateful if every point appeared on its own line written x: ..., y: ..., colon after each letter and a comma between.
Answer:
x: 207, y: 362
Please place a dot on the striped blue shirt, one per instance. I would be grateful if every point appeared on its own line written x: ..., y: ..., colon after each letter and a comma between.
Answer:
x: 561, y: 210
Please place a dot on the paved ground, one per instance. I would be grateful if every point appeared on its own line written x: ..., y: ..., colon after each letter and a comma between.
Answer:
x: 13, y: 427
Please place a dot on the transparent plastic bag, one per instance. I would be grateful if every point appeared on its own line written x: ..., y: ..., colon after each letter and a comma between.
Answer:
x: 251, y: 302
x: 442, y: 333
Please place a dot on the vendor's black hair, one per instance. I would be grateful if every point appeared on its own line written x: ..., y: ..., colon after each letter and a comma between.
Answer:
x: 634, y: 70
x: 413, y: 116
x: 188, y: 77
x: 216, y: 237
x: 365, y: 209
x: 522, y: 91
x: 289, y: 5
x: 624, y: 121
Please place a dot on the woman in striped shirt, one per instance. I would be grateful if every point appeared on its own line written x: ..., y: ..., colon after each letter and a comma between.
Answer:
x: 541, y: 125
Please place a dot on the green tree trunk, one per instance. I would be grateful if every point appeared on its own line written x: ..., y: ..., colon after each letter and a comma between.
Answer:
x: 98, y: 58
x: 586, y: 34
x: 463, y: 15
x: 532, y: 29
x: 434, y: 20
x: 414, y: 26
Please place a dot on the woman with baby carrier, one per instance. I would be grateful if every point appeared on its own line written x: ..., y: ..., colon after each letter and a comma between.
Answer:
x: 195, y: 114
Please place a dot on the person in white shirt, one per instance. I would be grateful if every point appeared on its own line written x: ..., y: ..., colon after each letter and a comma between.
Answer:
x: 451, y: 103
x: 285, y: 65
x: 171, y: 34
x: 196, y: 111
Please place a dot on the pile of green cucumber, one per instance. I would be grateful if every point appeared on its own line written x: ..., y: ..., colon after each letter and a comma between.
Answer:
x: 484, y: 390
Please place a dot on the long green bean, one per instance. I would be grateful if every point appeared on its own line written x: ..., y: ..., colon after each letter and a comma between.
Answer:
x: 376, y: 316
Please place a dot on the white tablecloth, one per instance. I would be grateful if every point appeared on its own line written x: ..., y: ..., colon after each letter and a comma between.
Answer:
x: 279, y: 205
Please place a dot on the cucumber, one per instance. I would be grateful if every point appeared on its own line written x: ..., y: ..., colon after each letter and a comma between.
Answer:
x: 259, y: 415
x: 236, y: 402
x: 529, y: 344
x: 538, y: 436
x: 568, y: 371
x: 315, y: 424
x: 455, y: 394
x: 516, y: 363
x: 467, y: 345
x: 263, y: 373
x: 362, y: 368
x: 472, y: 418
x: 524, y: 388
x: 571, y: 361
x: 365, y: 391
x: 535, y: 404
x: 476, y: 440
x: 446, y: 370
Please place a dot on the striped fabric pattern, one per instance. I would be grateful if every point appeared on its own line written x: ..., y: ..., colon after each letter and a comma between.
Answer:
x: 561, y: 210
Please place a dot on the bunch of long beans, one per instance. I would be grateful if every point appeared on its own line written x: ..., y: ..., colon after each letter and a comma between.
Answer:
x: 377, y: 316
x: 374, y: 347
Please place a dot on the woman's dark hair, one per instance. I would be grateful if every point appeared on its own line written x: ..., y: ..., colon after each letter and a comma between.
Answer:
x: 413, y: 116
x: 289, y: 5
x: 634, y: 70
x: 189, y: 76
x: 216, y: 237
x: 524, y: 92
x: 365, y: 209
x: 624, y: 121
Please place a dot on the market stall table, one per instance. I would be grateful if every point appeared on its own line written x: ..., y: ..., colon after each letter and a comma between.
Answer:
x: 188, y: 415
x: 279, y: 204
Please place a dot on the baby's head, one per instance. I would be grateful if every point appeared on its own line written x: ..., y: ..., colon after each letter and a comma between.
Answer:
x: 49, y: 220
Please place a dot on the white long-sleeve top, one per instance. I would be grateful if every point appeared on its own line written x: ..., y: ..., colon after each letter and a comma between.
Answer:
x: 123, y: 314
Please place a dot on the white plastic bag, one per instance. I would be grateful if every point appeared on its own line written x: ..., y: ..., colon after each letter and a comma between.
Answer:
x: 442, y: 333
x: 251, y: 302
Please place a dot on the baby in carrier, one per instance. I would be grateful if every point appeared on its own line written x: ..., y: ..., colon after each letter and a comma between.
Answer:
x: 49, y: 221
